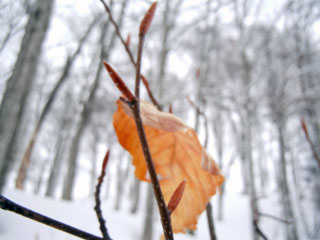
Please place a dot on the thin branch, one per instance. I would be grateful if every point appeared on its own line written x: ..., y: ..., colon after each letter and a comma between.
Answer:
x: 154, y: 101
x: 313, y: 148
x: 97, y: 207
x: 164, y: 213
x: 138, y: 65
x: 143, y: 29
x: 8, y: 205
x: 118, y: 31
x: 211, y: 226
x: 197, y: 108
x: 258, y: 230
x: 135, y: 106
x: 275, y: 218
x: 210, y: 220
x: 126, y: 44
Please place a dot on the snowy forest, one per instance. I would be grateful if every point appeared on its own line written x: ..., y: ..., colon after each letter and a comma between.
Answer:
x: 244, y: 74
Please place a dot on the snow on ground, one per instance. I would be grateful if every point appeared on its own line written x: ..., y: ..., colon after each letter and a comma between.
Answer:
x: 121, y: 224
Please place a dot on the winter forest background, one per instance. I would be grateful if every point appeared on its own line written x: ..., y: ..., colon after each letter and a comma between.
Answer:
x: 252, y: 67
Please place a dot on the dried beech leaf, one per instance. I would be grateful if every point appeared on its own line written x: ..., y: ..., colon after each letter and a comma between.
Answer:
x: 177, y: 156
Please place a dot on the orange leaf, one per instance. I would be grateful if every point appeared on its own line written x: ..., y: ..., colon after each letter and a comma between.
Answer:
x: 177, y: 156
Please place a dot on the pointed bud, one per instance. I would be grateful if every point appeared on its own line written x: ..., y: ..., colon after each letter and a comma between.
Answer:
x: 176, y: 197
x: 103, y: 169
x: 119, y: 82
x: 105, y: 160
x: 146, y: 21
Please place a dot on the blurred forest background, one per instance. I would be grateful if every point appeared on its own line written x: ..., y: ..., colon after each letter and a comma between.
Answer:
x: 252, y: 67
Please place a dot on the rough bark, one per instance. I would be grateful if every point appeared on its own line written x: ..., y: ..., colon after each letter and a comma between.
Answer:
x: 19, y: 84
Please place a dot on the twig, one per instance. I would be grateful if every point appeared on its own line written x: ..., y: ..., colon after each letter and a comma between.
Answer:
x: 313, y: 149
x: 164, y: 213
x: 210, y: 220
x: 275, y: 218
x: 256, y: 215
x: 118, y: 31
x: 135, y: 107
x: 154, y: 101
x: 125, y: 43
x: 97, y: 207
x: 197, y: 108
x: 258, y: 230
x: 8, y: 205
x: 138, y: 65
x: 212, y: 230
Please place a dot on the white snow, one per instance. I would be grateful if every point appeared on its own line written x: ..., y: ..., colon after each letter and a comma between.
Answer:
x: 121, y: 224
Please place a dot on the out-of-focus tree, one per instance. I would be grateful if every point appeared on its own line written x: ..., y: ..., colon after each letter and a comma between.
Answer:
x: 14, y: 100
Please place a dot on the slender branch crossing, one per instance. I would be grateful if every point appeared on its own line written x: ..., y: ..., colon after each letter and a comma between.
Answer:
x: 8, y: 205
x: 97, y: 207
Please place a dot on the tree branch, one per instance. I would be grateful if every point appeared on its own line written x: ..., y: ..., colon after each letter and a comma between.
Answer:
x: 97, y: 207
x: 8, y: 205
x: 210, y: 220
x: 125, y: 43
x: 313, y: 149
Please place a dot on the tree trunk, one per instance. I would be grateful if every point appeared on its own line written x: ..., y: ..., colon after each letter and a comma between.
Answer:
x: 19, y: 84
x: 120, y: 183
x: 164, y: 49
x: 291, y: 230
x: 87, y: 110
x: 136, y: 195
x: 61, y: 146
x: 148, y: 222
x: 25, y: 163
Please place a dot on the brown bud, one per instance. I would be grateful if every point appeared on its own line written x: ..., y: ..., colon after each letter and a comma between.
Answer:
x: 176, y: 197
x: 119, y: 82
x: 146, y: 21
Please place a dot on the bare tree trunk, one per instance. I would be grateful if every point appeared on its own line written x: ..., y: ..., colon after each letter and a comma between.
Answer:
x: 291, y: 230
x: 148, y: 222
x: 252, y: 187
x: 87, y: 110
x: 18, y: 86
x: 218, y: 133
x: 22, y: 172
x: 164, y: 49
x: 136, y: 195
x: 61, y: 146
x: 93, y: 172
x: 120, y: 183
